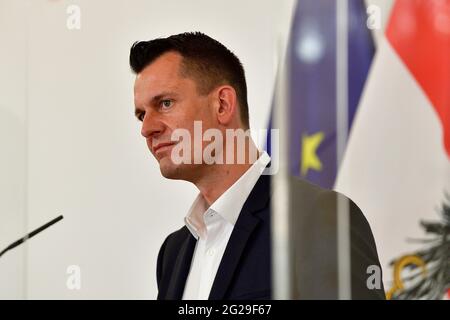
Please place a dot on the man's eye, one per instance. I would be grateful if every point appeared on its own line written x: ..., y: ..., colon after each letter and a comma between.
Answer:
x: 165, y: 104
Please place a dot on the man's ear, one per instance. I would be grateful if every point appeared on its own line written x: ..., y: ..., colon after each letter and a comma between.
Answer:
x: 226, y: 104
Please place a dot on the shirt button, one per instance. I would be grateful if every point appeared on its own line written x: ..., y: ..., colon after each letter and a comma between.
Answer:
x: 210, y: 252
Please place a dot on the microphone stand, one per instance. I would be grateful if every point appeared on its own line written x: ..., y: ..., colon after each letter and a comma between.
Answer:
x: 30, y: 235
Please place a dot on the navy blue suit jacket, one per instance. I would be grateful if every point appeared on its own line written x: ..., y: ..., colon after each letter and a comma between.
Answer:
x: 245, y: 269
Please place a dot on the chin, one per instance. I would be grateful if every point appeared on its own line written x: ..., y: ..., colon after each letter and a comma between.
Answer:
x: 186, y: 172
x: 170, y: 170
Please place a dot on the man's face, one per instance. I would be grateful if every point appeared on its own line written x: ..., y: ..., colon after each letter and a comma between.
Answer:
x: 166, y: 101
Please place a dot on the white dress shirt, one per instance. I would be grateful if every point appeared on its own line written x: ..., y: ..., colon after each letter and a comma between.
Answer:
x: 212, y: 228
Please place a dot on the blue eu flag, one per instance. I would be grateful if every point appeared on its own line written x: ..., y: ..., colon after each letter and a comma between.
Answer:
x: 312, y: 81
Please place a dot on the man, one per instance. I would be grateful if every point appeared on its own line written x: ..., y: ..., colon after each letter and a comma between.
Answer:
x: 223, y: 251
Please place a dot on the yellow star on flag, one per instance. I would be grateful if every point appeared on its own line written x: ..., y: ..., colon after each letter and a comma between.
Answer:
x: 310, y: 160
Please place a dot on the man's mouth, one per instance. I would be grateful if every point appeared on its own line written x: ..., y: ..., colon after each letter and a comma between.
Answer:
x: 162, y: 146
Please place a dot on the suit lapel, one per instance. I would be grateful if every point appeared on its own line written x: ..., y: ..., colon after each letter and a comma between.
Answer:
x: 246, y: 223
x: 181, y: 268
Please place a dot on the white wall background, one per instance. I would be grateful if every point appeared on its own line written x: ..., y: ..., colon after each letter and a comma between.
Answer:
x: 70, y: 144
x: 13, y: 131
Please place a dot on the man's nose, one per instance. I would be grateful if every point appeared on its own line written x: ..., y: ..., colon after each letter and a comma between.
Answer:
x: 151, y: 126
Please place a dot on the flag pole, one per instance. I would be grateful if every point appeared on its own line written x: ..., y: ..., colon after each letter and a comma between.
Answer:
x: 281, y: 234
x: 343, y: 224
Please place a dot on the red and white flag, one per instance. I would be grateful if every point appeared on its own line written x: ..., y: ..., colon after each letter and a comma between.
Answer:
x: 397, y: 163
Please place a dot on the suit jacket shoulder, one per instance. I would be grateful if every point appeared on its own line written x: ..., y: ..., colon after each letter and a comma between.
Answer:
x: 315, y: 221
x: 168, y: 256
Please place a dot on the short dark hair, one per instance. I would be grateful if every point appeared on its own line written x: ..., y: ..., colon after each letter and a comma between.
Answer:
x: 208, y: 61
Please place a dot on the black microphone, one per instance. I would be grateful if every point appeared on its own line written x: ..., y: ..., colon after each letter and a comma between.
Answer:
x: 30, y: 235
